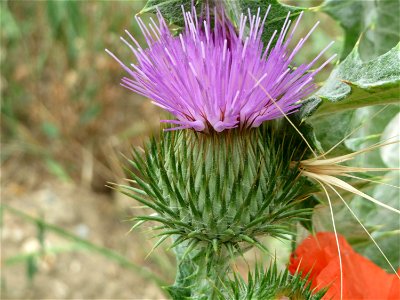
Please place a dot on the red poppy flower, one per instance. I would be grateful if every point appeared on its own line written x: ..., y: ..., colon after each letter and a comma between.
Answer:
x: 362, y: 279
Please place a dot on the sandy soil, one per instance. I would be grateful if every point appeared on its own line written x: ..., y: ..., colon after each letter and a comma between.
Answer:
x: 75, y: 274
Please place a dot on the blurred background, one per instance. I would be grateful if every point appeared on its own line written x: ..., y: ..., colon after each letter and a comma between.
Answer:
x: 65, y: 125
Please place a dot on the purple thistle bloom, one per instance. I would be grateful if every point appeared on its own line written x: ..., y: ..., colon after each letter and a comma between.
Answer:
x: 220, y: 78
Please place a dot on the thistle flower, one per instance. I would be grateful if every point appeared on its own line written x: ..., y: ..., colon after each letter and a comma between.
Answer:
x: 213, y: 79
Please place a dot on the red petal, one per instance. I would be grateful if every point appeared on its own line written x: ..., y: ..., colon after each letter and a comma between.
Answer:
x: 362, y: 279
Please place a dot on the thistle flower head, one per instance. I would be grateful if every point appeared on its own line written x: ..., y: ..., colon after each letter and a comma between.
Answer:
x: 223, y: 191
x: 217, y: 78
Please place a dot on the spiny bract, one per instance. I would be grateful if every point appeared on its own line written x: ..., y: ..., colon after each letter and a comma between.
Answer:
x: 270, y: 285
x: 222, y: 189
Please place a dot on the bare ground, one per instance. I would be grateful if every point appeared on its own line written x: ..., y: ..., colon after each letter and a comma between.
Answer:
x: 72, y: 274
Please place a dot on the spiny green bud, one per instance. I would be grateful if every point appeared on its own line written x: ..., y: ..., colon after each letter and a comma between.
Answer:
x: 221, y: 189
x: 269, y: 285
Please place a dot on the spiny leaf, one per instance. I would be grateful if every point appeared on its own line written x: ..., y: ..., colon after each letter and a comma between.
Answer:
x: 276, y: 15
x: 170, y: 9
x: 356, y: 83
x: 190, y: 247
x: 157, y: 206
x: 156, y: 245
x: 270, y: 284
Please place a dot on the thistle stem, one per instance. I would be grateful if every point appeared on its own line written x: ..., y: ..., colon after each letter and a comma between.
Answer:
x: 200, y: 273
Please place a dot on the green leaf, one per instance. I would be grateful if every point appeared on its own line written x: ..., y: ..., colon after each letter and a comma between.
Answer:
x: 355, y: 83
x: 390, y: 153
x: 31, y: 267
x: 25, y: 257
x: 50, y: 130
x: 170, y: 9
x: 373, y: 120
x: 331, y: 129
x: 386, y: 221
x: 377, y: 22
x: 57, y: 169
x: 91, y: 113
x: 276, y: 16
x: 67, y: 24
x: 9, y: 26
x: 346, y: 224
